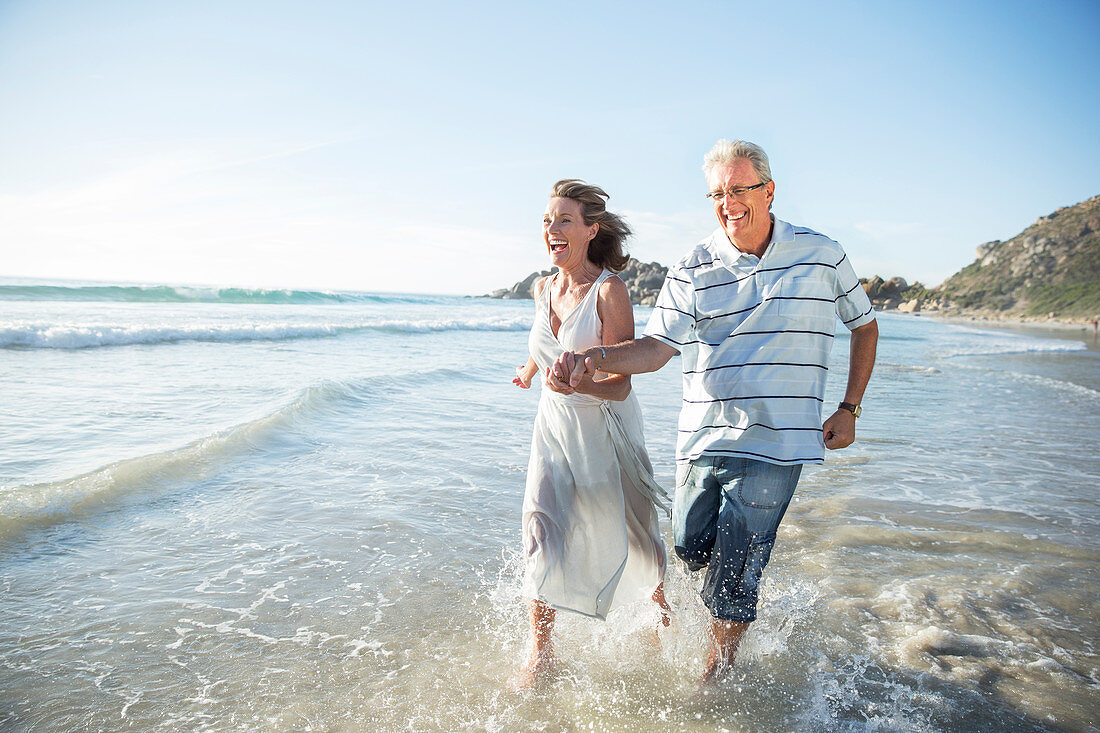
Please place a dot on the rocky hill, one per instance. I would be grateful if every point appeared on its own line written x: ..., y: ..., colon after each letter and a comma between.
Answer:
x: 1051, y: 270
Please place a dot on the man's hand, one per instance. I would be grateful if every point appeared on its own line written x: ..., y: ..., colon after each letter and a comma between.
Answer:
x: 839, y: 431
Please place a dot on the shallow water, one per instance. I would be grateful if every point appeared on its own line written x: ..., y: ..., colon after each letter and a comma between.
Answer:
x: 303, y: 515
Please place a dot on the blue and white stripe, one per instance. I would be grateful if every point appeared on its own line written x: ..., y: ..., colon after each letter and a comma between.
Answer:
x: 754, y: 336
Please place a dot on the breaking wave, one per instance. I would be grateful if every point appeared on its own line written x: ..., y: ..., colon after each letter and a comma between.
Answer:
x: 55, y: 336
x: 58, y: 501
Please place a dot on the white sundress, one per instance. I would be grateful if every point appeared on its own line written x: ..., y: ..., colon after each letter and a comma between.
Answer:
x: 590, y: 531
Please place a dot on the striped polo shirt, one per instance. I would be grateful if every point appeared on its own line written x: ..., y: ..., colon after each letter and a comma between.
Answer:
x: 754, y: 335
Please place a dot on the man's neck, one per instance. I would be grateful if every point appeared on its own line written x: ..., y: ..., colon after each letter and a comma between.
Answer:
x: 756, y: 248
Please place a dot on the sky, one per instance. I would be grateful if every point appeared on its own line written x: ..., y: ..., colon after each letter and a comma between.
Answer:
x: 410, y: 147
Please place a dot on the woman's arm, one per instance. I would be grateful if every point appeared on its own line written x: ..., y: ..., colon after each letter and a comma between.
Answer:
x: 527, y: 372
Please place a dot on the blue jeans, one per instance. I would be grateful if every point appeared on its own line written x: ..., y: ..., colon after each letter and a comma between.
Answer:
x: 726, y: 513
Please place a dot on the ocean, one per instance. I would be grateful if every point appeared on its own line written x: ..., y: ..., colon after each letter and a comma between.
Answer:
x: 267, y: 510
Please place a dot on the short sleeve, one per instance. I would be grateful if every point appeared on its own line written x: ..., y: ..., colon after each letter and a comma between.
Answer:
x: 673, y: 318
x: 853, y: 307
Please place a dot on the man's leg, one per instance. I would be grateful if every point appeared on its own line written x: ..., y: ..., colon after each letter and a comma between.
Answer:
x: 753, y: 499
x: 695, y: 514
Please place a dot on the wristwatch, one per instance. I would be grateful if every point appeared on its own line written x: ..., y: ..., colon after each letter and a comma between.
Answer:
x: 854, y: 409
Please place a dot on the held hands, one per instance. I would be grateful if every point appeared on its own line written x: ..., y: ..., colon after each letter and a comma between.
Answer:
x: 570, y: 373
x: 839, y: 431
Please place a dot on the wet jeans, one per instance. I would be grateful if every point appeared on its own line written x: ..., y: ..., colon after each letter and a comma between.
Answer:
x: 725, y: 517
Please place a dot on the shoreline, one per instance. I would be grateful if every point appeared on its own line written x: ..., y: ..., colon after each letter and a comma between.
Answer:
x: 1066, y: 330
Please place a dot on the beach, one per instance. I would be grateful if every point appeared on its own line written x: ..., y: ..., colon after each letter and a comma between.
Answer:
x: 296, y: 510
x: 1077, y: 330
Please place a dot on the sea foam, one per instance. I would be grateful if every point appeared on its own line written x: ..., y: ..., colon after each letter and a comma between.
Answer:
x: 84, y: 336
x: 969, y: 341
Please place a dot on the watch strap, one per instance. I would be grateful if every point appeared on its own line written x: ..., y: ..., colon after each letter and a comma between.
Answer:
x: 854, y: 409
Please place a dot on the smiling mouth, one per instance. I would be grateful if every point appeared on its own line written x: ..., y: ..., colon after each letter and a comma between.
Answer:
x: 736, y: 217
x: 558, y: 245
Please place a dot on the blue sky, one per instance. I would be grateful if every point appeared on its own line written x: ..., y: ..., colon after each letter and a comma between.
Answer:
x: 410, y: 147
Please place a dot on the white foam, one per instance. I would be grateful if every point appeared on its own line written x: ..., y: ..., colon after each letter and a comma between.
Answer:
x: 967, y: 341
x: 66, y: 336
x: 857, y: 694
x: 81, y: 337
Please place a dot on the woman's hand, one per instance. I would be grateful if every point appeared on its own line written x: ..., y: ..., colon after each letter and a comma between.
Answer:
x: 553, y: 381
x: 525, y: 373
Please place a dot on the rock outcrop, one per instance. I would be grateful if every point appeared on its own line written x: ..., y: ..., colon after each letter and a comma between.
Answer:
x: 643, y: 281
x: 886, y: 294
x: 520, y: 290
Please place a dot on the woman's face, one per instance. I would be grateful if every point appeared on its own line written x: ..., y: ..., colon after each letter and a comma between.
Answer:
x: 565, y: 234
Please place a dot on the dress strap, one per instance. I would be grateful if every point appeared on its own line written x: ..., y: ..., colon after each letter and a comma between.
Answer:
x: 544, y: 296
x: 593, y: 294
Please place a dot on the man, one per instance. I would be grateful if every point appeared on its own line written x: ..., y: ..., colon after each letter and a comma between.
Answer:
x: 752, y: 311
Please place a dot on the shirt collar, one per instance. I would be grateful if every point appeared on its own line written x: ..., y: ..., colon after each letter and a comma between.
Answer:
x: 735, y: 259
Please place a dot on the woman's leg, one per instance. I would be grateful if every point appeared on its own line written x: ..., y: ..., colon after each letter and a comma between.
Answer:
x: 541, y: 653
x: 659, y: 598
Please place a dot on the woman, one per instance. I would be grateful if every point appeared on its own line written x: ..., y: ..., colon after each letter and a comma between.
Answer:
x: 590, y: 530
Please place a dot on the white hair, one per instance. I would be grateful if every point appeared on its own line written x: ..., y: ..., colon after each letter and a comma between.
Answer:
x: 725, y: 152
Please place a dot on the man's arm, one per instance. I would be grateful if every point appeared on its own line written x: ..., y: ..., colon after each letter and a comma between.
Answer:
x: 617, y: 316
x: 629, y: 357
x: 839, y: 431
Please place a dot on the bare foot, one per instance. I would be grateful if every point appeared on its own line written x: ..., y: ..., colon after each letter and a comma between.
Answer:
x: 665, y: 619
x: 725, y: 638
x: 534, y: 671
x: 541, y: 657
x: 715, y: 668
x: 666, y: 610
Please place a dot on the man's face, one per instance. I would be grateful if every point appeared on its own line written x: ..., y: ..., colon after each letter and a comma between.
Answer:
x: 745, y: 219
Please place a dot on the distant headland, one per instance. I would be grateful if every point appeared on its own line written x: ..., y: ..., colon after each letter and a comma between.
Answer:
x: 1048, y: 272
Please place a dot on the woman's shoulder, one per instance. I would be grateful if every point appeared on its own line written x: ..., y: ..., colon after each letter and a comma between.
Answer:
x: 614, y: 296
x: 613, y: 287
x: 615, y: 310
x: 539, y: 284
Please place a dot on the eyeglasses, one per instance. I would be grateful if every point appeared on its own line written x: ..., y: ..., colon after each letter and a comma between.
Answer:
x: 736, y: 192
